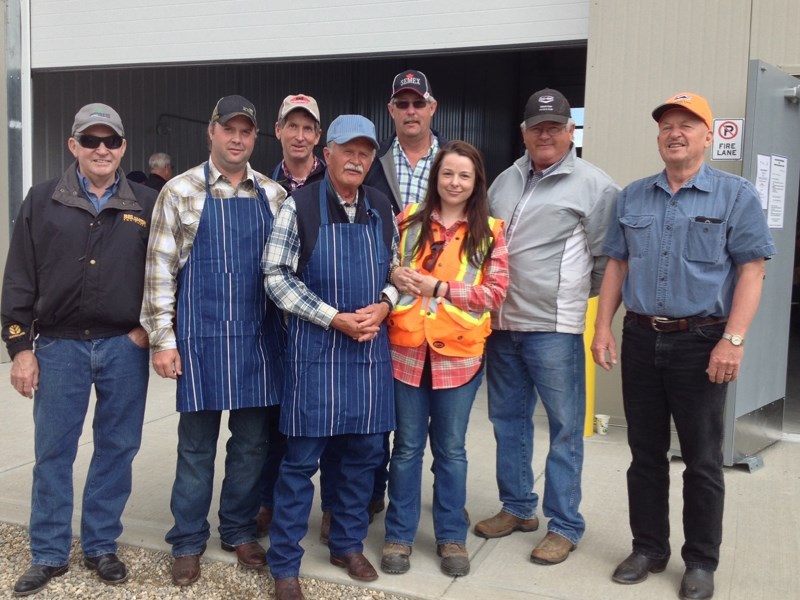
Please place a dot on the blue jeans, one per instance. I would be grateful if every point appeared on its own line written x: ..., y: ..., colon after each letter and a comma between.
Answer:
x: 443, y: 414
x: 276, y: 449
x: 663, y: 375
x: 119, y: 370
x: 246, y: 450
x: 359, y: 455
x: 522, y: 367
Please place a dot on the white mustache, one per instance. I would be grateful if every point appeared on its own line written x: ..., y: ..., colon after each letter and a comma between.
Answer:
x: 353, y: 167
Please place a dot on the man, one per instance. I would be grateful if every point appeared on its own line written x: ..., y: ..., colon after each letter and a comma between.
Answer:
x: 160, y: 165
x: 401, y: 172
x: 687, y: 252
x: 326, y: 264
x: 298, y: 130
x: 213, y: 329
x: 404, y: 161
x: 72, y: 292
x: 557, y: 208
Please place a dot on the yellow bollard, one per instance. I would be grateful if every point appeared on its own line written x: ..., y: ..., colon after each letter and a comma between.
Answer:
x: 588, y: 334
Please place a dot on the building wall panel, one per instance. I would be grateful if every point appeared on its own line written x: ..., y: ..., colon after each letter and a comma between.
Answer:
x: 81, y: 33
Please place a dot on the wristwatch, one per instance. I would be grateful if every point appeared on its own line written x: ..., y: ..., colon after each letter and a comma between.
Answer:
x: 733, y: 338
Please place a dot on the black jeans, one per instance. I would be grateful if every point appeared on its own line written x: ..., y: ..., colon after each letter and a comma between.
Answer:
x: 663, y: 375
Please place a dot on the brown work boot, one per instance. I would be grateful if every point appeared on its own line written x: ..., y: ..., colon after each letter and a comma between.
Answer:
x: 394, y: 559
x: 553, y: 549
x: 263, y: 521
x: 455, y: 559
x: 325, y: 527
x: 288, y: 588
x: 357, y: 565
x: 503, y: 524
x: 186, y: 570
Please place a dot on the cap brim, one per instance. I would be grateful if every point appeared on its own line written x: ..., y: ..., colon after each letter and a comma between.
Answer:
x: 106, y: 123
x: 544, y: 118
x: 659, y: 111
x: 346, y: 139
x: 410, y: 89
x: 294, y: 108
x: 225, y: 118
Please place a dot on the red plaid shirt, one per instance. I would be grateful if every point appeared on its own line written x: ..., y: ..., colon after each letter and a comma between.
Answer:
x: 453, y: 371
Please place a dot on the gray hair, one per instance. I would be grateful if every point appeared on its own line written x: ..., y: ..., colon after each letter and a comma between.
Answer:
x: 159, y: 160
x: 332, y: 145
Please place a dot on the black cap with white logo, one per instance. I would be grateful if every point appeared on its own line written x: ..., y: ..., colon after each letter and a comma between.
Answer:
x: 546, y: 105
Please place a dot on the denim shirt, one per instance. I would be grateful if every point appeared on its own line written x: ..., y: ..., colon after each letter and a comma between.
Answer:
x: 682, y: 249
x: 100, y: 202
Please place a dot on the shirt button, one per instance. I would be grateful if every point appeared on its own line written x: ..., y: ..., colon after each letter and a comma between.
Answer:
x: 92, y: 262
x: 86, y: 332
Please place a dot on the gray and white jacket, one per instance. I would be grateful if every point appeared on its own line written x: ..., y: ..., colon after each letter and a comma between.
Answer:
x: 555, y: 259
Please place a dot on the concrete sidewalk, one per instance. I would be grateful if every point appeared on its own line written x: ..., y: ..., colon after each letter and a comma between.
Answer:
x: 760, y: 552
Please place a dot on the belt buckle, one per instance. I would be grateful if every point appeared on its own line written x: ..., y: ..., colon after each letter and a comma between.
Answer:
x: 655, y: 322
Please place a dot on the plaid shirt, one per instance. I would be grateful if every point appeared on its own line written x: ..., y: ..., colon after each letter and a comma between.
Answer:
x: 413, y: 183
x: 452, y: 371
x: 293, y: 182
x: 176, y: 217
x: 280, y: 261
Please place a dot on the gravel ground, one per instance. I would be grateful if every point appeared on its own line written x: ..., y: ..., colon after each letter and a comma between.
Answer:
x: 150, y: 578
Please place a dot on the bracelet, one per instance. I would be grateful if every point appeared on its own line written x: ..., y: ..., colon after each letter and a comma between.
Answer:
x: 392, y: 269
x: 436, y: 287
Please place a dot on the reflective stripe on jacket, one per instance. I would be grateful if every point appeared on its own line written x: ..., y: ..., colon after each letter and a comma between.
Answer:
x: 448, y: 329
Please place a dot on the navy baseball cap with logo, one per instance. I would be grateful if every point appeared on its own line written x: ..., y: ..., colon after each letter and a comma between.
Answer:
x: 412, y: 81
x: 546, y: 105
x: 231, y: 106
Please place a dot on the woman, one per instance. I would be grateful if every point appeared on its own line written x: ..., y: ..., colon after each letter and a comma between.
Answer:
x: 453, y: 271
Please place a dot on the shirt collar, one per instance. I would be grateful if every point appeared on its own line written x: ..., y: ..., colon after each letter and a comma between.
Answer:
x: 552, y: 167
x: 701, y: 181
x: 84, y: 181
x: 214, y: 173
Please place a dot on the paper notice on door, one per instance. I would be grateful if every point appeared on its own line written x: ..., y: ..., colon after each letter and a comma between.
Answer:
x: 762, y: 180
x: 777, y: 191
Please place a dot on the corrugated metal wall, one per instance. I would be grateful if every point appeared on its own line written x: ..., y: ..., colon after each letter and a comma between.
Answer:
x: 481, y: 97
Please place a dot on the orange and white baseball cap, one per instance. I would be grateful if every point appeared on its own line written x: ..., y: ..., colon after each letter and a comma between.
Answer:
x: 690, y: 101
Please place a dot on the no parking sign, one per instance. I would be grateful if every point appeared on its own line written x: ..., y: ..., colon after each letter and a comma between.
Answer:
x: 727, y: 143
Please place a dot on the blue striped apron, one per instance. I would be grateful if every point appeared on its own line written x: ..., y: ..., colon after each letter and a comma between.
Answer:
x: 230, y: 335
x: 334, y: 384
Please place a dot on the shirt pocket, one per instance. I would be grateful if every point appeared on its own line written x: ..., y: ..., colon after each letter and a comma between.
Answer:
x: 638, y: 229
x: 704, y: 241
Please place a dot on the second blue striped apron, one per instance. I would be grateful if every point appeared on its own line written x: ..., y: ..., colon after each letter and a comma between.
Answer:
x: 230, y: 335
x: 334, y: 384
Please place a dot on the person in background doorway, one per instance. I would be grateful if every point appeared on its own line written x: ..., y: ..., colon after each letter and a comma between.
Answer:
x: 160, y: 165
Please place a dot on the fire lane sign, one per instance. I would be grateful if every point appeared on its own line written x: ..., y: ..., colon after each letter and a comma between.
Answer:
x: 727, y: 144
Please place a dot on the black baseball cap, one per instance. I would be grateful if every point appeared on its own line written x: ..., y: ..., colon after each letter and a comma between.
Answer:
x: 546, y: 105
x: 231, y: 106
x: 413, y: 81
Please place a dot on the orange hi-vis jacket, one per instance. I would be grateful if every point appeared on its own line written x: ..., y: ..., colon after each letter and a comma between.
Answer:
x: 448, y: 329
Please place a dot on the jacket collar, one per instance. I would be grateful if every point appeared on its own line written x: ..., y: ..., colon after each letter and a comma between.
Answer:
x: 68, y: 191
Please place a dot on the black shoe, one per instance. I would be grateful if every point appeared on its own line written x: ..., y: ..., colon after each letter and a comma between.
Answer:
x: 110, y: 569
x: 635, y: 568
x: 36, y: 577
x: 697, y: 584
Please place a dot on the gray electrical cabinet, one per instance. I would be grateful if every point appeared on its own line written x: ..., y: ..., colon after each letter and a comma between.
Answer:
x: 755, y: 402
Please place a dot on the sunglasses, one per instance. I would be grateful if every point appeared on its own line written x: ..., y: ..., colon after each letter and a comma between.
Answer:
x: 112, y: 142
x: 404, y: 104
x: 436, y: 251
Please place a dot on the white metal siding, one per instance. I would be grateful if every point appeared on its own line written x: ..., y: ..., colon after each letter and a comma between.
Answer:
x: 86, y: 33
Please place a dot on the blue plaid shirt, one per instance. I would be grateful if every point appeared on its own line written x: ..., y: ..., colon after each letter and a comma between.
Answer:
x: 413, y: 182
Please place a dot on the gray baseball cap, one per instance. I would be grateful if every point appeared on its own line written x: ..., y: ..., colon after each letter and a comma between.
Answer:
x: 97, y: 113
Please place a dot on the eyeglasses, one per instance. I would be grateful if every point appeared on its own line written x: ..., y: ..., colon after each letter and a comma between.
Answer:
x: 403, y: 104
x: 551, y: 131
x: 436, y: 251
x: 112, y: 142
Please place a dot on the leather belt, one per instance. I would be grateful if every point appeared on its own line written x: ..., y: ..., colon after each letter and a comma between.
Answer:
x: 668, y: 325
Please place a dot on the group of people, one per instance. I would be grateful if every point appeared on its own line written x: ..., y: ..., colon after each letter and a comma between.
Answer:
x: 364, y: 292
